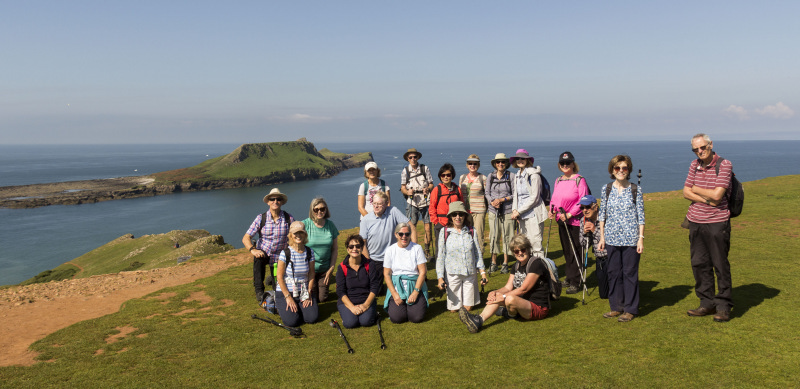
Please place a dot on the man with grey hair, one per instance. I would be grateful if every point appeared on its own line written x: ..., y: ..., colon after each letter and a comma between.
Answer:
x: 707, y: 187
x: 377, y: 227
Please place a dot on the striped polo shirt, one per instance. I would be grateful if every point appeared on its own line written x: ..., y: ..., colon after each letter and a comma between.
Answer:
x: 706, y: 178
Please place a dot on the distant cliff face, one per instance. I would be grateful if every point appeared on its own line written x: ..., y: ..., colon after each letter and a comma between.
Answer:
x: 253, y: 164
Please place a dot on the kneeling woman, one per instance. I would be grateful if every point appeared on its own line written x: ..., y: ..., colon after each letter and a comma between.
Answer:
x: 295, y: 274
x: 526, y: 295
x: 404, y: 272
x: 358, y: 281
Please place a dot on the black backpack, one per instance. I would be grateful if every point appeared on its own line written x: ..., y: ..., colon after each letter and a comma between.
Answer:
x: 407, y: 170
x: 735, y: 193
x: 634, y: 189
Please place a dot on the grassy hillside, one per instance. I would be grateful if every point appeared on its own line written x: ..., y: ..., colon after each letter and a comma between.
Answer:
x: 219, y: 345
x: 142, y: 253
x: 264, y: 160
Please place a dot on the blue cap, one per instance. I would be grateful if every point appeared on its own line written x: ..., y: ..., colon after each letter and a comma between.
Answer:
x: 588, y: 200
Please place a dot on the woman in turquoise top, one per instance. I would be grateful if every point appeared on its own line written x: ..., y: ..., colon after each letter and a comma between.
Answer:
x: 621, y: 221
x: 322, y: 234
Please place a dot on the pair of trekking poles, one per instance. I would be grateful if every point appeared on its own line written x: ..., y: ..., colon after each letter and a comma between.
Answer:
x: 298, y: 332
x: 581, y: 266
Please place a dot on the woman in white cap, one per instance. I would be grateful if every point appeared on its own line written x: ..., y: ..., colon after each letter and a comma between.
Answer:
x: 272, y: 229
x: 473, y: 186
x: 528, y: 207
x: 499, y: 196
x: 373, y: 184
x: 294, y: 300
x: 459, y: 259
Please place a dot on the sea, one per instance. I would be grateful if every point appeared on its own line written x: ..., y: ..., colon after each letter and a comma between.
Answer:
x: 38, y: 239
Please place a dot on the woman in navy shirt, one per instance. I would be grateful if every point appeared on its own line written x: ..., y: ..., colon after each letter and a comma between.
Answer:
x: 358, y: 282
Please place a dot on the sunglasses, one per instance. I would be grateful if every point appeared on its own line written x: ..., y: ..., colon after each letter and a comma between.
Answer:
x: 413, y: 157
x: 354, y: 246
x: 565, y: 163
x: 583, y: 207
x: 445, y: 175
x: 472, y: 164
x: 618, y: 168
x: 274, y: 199
x: 701, y: 148
x: 460, y: 214
x: 318, y: 210
x: 519, y: 252
x: 403, y: 234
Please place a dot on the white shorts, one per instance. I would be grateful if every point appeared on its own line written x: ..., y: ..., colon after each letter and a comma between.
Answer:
x: 462, y: 290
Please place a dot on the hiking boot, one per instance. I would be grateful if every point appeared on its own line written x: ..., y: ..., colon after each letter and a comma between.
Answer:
x: 572, y: 289
x: 722, y: 316
x: 701, y: 311
x: 504, y: 269
x: 473, y: 322
x: 493, y: 268
x: 625, y: 317
x: 612, y: 314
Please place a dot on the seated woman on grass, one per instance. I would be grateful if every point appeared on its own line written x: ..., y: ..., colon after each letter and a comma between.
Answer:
x: 404, y: 272
x: 525, y: 296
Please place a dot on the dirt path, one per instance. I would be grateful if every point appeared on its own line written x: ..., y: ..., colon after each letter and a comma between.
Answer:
x: 29, y: 313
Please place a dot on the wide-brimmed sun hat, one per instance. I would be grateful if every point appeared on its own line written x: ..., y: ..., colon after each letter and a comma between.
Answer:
x: 521, y: 154
x: 275, y: 192
x: 412, y: 151
x: 458, y: 206
x: 499, y: 157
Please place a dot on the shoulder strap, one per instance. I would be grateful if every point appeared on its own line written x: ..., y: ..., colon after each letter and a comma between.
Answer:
x: 288, y: 254
x: 366, y: 188
x: 383, y: 185
x: 308, y: 254
x: 344, y: 268
x: 719, y: 162
x: 262, y: 224
x: 634, y: 189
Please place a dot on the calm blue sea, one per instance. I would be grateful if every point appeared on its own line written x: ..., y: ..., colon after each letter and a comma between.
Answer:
x: 34, y: 240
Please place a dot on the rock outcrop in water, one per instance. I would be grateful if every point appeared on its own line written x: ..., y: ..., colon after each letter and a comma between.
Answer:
x: 254, y: 164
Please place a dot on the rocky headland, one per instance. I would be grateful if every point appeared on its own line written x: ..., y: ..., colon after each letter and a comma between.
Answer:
x: 253, y: 164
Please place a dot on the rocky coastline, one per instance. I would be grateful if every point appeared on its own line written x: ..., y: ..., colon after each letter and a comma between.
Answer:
x: 93, y: 191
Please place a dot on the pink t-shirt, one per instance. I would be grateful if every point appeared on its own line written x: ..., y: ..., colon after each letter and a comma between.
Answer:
x: 567, y: 194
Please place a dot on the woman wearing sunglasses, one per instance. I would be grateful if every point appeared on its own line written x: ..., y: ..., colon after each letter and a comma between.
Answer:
x: 473, y: 186
x: 358, y: 282
x: 564, y: 207
x: 459, y: 260
x: 441, y: 197
x: 526, y: 294
x: 621, y: 220
x: 322, y: 234
x: 404, y: 272
x: 499, y: 197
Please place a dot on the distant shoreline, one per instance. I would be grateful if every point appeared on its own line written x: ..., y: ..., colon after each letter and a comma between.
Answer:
x: 313, y: 165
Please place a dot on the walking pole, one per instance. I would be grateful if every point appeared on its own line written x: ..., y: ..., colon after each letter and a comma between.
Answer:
x: 585, y: 249
x: 547, y: 246
x: 575, y: 254
x: 639, y: 183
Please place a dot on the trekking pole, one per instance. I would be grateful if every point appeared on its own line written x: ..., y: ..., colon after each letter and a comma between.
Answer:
x: 334, y: 324
x: 547, y: 246
x: 574, y: 254
x: 293, y: 331
x: 585, y: 265
x: 380, y: 332
x: 639, y: 183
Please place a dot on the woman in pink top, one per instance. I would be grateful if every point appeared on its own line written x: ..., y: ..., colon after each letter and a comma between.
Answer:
x: 565, y: 208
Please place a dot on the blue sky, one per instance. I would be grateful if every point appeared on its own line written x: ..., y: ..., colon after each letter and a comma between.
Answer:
x: 210, y: 72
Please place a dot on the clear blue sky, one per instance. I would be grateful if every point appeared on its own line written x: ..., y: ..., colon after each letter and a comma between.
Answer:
x: 197, y: 71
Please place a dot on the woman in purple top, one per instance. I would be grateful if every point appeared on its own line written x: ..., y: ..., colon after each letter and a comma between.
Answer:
x: 358, y: 282
x: 565, y: 208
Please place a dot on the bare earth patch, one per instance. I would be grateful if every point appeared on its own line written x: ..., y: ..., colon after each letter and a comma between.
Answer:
x: 123, y: 332
x: 67, y: 302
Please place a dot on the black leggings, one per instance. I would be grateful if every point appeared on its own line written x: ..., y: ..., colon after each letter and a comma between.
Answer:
x: 572, y: 262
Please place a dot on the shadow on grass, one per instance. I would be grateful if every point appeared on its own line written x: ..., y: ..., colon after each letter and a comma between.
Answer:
x: 652, y: 299
x: 751, y: 295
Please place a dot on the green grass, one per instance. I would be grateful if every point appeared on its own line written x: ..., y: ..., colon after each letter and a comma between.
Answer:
x: 143, y: 253
x: 217, y: 344
x: 262, y: 160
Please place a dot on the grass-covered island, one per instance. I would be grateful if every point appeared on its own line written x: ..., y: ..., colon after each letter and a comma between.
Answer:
x: 252, y: 164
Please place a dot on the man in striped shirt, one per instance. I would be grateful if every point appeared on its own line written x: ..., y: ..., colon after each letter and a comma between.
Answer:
x: 706, y: 187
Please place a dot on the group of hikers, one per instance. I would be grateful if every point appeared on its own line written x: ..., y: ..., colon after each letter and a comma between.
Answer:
x: 299, y: 258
